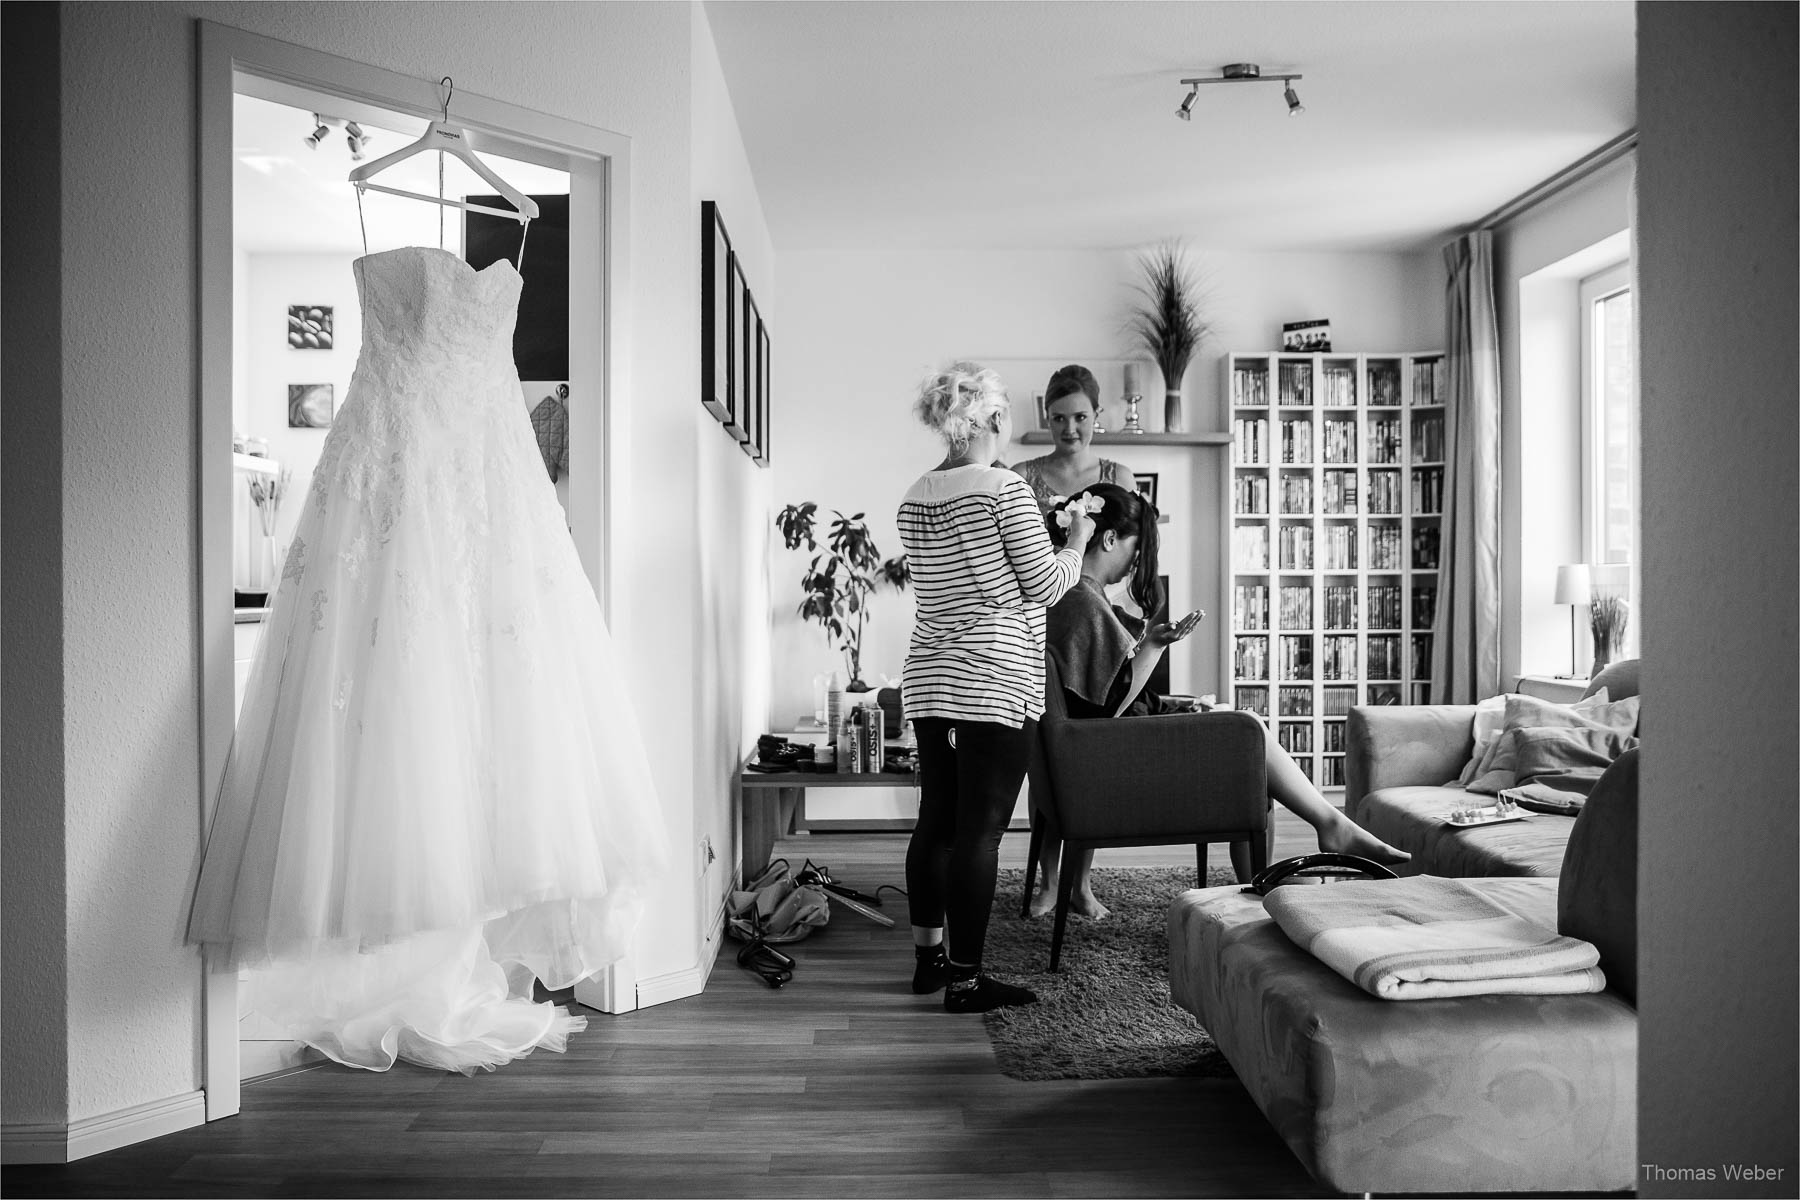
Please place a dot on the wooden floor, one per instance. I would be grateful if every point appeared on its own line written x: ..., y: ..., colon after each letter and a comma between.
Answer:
x: 841, y: 1084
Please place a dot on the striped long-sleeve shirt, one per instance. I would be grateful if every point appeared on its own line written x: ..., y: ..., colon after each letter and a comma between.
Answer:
x: 983, y: 572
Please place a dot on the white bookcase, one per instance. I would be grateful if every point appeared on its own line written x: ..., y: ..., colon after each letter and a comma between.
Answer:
x: 1334, y: 502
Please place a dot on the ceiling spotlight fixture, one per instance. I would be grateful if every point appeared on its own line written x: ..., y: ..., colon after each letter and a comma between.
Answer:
x: 357, y: 138
x: 317, y: 135
x: 1239, y: 73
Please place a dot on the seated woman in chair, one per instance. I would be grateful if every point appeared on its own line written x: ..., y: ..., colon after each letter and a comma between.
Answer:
x: 1105, y: 671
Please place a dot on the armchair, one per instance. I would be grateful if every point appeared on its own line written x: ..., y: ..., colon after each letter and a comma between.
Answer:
x: 1144, y: 781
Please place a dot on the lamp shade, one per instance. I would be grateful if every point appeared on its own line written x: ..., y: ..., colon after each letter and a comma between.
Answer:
x: 1574, y: 584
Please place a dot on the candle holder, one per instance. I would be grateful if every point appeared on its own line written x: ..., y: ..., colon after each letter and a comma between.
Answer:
x: 1132, y: 422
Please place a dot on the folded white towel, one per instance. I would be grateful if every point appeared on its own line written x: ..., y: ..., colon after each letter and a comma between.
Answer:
x: 1423, y: 938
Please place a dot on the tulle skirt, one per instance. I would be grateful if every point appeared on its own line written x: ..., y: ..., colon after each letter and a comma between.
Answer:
x: 438, y: 783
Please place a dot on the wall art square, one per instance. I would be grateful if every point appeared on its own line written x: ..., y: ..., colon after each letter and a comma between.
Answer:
x: 309, y: 326
x: 1146, y: 484
x: 309, y: 405
x: 715, y: 313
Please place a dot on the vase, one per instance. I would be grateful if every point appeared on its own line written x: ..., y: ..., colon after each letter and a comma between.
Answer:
x: 1172, y: 421
x: 1607, y: 646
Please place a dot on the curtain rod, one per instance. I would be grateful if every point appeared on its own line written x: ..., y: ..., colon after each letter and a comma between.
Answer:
x: 1572, y: 174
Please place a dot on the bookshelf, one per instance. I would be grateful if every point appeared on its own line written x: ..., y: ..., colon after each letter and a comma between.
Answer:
x: 1334, y: 496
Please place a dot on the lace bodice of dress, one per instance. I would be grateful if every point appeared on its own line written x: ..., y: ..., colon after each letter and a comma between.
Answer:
x: 434, y: 324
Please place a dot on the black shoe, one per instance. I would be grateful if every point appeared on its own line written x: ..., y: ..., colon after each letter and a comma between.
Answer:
x: 982, y: 994
x: 932, y: 970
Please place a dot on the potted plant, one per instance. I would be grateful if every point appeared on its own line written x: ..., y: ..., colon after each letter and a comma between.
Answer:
x: 840, y: 579
x: 1166, y: 323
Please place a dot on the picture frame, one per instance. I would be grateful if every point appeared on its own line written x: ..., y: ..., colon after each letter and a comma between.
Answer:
x: 309, y: 327
x: 310, y: 405
x: 1146, y: 485
x: 737, y: 389
x: 716, y: 274
x: 763, y: 375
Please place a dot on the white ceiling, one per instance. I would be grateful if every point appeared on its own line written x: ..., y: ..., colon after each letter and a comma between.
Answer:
x: 1020, y: 123
x: 289, y: 199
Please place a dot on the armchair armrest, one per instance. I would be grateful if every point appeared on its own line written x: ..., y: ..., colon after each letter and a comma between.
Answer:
x: 1404, y: 746
x: 1176, y: 774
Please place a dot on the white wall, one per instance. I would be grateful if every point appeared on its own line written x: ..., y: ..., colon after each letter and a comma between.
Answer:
x: 128, y: 670
x: 732, y: 502
x: 1535, y: 304
x: 859, y: 330
x: 1717, y: 894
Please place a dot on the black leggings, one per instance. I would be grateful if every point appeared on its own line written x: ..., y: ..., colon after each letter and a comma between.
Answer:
x: 966, y: 796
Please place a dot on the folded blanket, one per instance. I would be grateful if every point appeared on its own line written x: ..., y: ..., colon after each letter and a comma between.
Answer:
x: 1423, y: 938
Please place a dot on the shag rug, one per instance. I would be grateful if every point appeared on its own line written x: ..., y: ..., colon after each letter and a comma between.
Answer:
x: 1106, y: 1014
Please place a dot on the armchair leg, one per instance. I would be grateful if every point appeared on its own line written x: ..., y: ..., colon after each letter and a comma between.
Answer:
x: 1259, y: 851
x: 1200, y: 863
x: 1033, y: 853
x: 1065, y: 890
x: 1243, y: 855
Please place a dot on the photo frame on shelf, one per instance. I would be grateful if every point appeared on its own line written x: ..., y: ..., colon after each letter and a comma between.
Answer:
x: 715, y: 312
x: 737, y: 343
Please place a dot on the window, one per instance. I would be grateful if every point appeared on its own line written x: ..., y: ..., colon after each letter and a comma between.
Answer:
x: 1609, y: 402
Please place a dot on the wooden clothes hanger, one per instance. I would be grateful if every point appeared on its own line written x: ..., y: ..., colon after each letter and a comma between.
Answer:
x: 446, y: 138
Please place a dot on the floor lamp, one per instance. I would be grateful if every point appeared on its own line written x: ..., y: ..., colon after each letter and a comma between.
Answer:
x: 1574, y: 587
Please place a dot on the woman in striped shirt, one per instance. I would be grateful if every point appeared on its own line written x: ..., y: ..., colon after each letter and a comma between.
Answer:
x: 983, y: 573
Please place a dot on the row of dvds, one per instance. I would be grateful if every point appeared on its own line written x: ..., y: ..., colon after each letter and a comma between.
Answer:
x: 1382, y: 602
x: 1250, y: 606
x: 1385, y: 548
x: 1250, y: 494
x: 1295, y: 736
x: 1296, y: 606
x: 1428, y: 490
x: 1428, y: 438
x: 1296, y: 440
x: 1384, y: 440
x: 1429, y: 382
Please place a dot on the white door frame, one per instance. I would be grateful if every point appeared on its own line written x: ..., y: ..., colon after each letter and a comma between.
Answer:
x: 599, y: 165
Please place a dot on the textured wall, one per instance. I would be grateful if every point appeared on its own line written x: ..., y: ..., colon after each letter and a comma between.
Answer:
x: 130, y: 655
x: 865, y: 327
x: 34, y: 1084
x: 1717, y: 896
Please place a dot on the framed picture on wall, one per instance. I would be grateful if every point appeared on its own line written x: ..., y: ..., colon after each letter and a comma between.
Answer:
x: 737, y: 389
x: 1146, y: 483
x: 715, y: 313
x: 310, y: 405
x: 762, y: 395
x: 309, y: 326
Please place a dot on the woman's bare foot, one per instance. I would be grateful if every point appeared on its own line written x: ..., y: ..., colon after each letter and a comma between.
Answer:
x: 1043, y: 901
x: 1083, y: 904
x: 1345, y: 836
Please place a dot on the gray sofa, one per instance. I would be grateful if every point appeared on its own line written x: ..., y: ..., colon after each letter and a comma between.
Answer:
x: 1475, y: 1094
x: 1395, y: 764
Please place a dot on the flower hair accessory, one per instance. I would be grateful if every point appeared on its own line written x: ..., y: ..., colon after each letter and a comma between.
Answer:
x: 1087, y: 502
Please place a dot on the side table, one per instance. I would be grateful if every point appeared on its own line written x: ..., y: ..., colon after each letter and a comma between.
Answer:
x: 771, y: 798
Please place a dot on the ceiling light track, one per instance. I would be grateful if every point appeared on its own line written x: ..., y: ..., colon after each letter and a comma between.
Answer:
x: 1239, y: 73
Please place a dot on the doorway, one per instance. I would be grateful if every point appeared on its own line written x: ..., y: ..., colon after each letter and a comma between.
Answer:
x: 278, y: 230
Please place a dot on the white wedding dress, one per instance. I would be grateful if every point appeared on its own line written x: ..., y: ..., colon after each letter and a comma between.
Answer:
x: 438, y: 789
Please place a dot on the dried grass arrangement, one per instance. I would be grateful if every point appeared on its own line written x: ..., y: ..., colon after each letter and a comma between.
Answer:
x: 1166, y: 322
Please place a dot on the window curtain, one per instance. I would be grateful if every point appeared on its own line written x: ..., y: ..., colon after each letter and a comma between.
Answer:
x: 1465, y: 652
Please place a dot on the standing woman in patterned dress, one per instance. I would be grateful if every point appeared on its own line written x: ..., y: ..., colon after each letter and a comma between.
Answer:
x: 1072, y: 407
x: 984, y: 572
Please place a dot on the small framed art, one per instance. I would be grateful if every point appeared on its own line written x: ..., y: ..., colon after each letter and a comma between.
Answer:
x: 715, y: 313
x: 1146, y: 484
x: 739, y: 346
x: 309, y: 405
x: 309, y: 327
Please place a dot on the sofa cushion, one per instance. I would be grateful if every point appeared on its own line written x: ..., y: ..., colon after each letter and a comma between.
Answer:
x: 1597, y: 898
x: 1412, y: 819
x: 1478, y: 1093
x: 1620, y: 680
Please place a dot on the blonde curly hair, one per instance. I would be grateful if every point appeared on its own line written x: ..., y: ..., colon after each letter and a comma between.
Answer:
x: 959, y: 400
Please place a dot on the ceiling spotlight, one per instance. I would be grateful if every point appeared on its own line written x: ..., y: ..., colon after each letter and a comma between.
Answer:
x: 357, y: 138
x: 1239, y: 73
x: 317, y: 135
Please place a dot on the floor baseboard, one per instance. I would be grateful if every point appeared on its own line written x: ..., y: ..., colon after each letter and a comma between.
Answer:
x: 52, y: 1143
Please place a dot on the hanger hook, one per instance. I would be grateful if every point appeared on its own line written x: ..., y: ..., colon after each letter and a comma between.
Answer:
x: 449, y: 85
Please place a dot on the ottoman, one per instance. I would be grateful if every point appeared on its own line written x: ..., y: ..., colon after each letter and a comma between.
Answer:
x: 1478, y: 1093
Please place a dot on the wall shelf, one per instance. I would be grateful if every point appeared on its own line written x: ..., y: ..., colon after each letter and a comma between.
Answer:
x: 252, y: 464
x: 1041, y: 437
